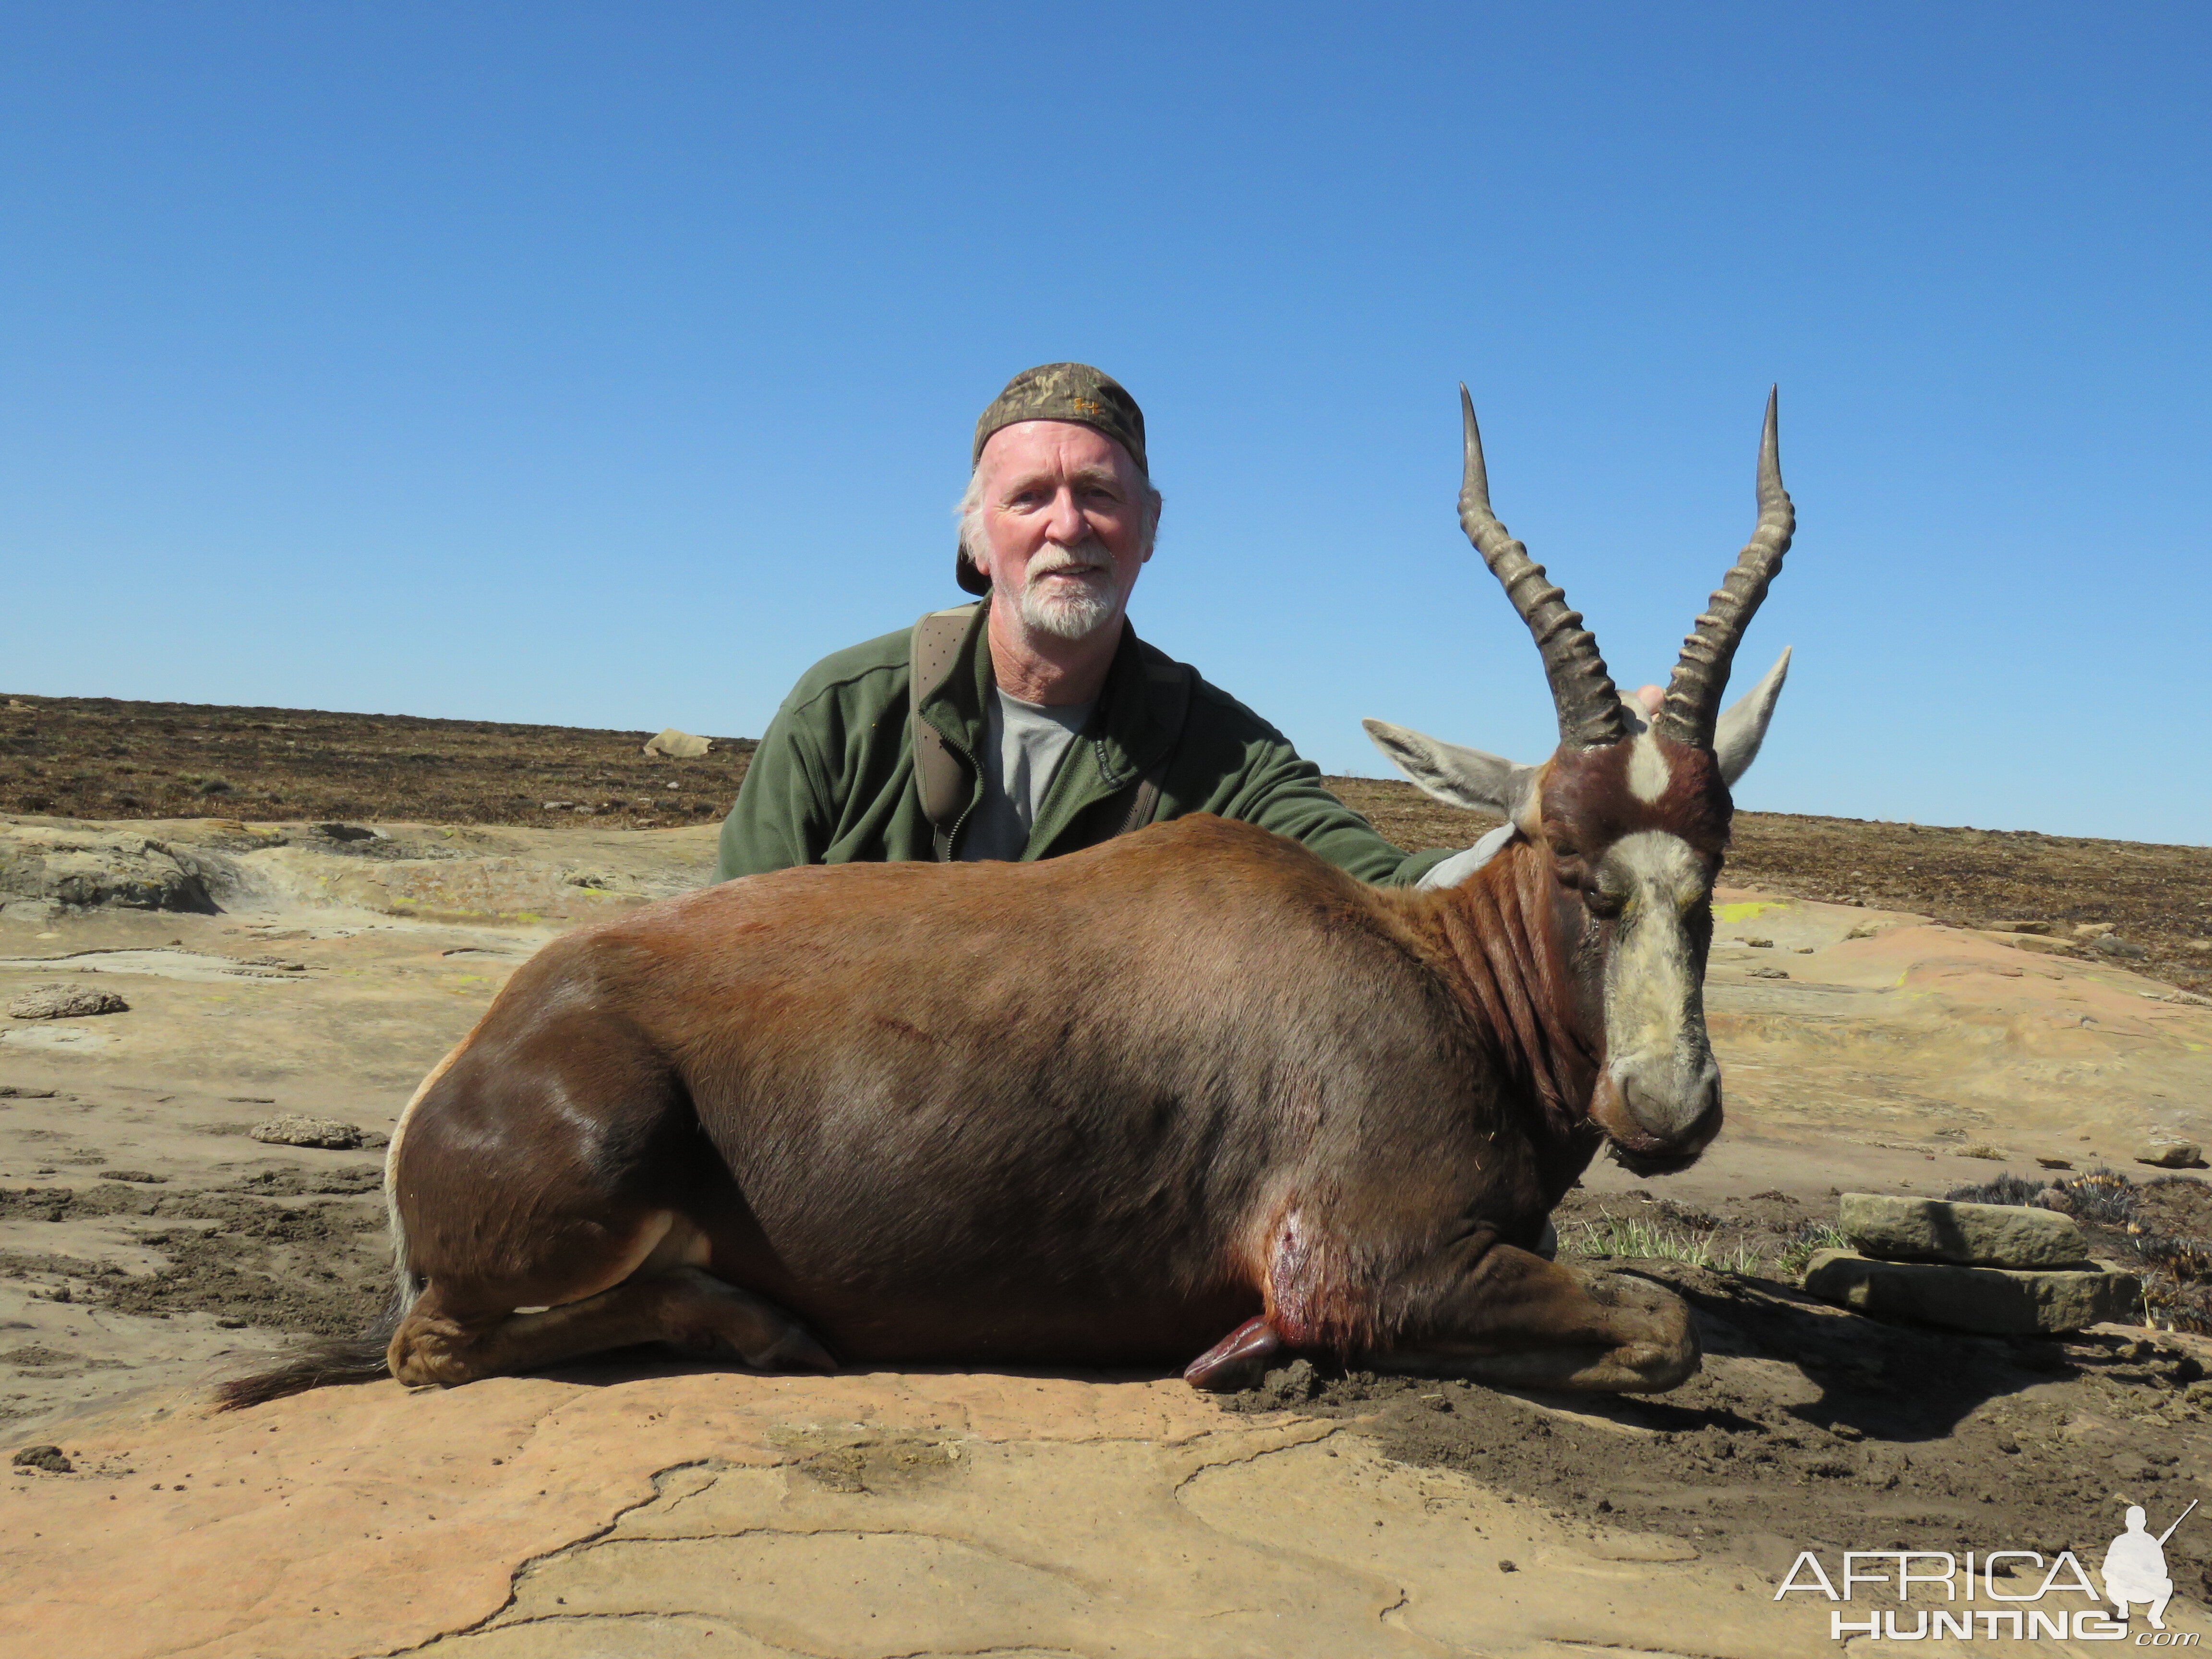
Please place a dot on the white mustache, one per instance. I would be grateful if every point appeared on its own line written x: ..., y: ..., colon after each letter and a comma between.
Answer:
x: 1052, y: 558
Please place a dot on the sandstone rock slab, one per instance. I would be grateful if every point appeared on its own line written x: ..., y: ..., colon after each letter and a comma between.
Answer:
x: 65, y: 1002
x: 327, y: 1133
x: 1898, y: 1229
x: 863, y: 1516
x: 2170, y: 1154
x: 1990, y: 1301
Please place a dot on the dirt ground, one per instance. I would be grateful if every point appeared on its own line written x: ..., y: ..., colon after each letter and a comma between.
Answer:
x: 1810, y: 1428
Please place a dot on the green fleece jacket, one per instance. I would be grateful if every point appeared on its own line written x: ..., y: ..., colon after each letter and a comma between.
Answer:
x: 832, y: 781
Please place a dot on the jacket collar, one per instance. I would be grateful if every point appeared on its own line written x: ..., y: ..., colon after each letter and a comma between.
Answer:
x: 1128, y: 732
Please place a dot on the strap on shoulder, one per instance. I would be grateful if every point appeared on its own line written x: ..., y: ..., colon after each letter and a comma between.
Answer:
x: 940, y: 782
x: 1169, y: 681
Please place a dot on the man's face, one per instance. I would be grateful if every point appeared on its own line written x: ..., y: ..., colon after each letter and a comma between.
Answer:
x: 1061, y: 528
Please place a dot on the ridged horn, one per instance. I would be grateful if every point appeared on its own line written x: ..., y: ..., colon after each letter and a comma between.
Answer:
x: 1582, y: 691
x: 1701, y: 673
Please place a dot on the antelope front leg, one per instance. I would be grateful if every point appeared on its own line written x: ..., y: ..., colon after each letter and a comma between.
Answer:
x: 1514, y: 1320
x: 438, y: 1343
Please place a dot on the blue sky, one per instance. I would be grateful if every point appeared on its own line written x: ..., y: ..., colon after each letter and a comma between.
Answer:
x: 607, y: 365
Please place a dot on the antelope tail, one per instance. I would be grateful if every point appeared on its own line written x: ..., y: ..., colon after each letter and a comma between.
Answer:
x: 358, y: 1358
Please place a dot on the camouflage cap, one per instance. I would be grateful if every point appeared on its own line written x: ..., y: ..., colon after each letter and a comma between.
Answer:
x: 1058, y: 392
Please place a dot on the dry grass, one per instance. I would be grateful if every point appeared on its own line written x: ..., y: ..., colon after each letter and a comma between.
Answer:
x: 94, y: 757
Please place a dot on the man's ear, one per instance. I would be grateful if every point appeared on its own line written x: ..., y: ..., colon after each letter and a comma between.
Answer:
x: 1459, y: 777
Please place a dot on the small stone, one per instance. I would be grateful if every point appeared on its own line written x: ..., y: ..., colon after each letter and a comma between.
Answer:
x: 2092, y: 929
x: 15, y: 1091
x: 65, y: 1002
x: 2170, y: 1154
x: 230, y: 1322
x: 2112, y: 945
x: 1981, y: 1149
x: 1861, y: 930
x: 1804, y: 950
x: 326, y: 1132
x: 2056, y: 1162
x: 1767, y: 973
x: 1508, y: 1566
x: 1992, y: 1301
x: 555, y: 805
x: 49, y: 1458
x: 2020, y: 927
x: 145, y: 1176
x: 1980, y: 1235
x: 1760, y: 944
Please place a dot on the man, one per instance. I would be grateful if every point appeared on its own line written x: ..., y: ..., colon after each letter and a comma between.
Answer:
x: 1035, y: 722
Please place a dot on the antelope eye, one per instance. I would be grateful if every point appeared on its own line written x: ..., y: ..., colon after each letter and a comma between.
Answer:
x: 1599, y: 903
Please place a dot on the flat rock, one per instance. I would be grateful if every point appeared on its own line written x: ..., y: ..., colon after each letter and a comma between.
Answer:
x: 2170, y: 1154
x: 861, y: 1516
x: 65, y: 1002
x: 1974, y: 1234
x: 328, y: 1133
x: 1990, y: 1301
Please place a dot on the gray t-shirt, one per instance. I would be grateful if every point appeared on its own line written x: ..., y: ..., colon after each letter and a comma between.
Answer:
x: 1026, y: 744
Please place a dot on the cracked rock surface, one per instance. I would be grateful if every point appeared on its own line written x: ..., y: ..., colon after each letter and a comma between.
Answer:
x: 869, y: 1516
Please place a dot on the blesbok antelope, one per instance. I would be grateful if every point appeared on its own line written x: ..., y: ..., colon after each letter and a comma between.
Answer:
x: 1105, y: 1109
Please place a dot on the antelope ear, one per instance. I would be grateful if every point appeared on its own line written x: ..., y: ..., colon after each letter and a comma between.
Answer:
x: 1457, y: 776
x: 1742, y: 724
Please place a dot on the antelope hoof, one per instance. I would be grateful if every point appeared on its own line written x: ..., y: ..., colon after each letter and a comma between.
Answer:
x: 765, y: 1337
x: 794, y: 1351
x: 1238, y: 1361
x: 1655, y: 1348
x: 1652, y: 1347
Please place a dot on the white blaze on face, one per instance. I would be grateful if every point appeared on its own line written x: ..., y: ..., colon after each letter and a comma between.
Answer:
x: 1656, y: 1046
x: 1648, y: 775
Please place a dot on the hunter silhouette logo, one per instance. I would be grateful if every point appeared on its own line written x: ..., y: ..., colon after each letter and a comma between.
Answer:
x: 2135, y: 1567
x: 2133, y: 1571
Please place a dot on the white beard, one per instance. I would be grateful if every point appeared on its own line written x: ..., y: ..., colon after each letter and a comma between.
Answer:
x: 1070, y: 615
